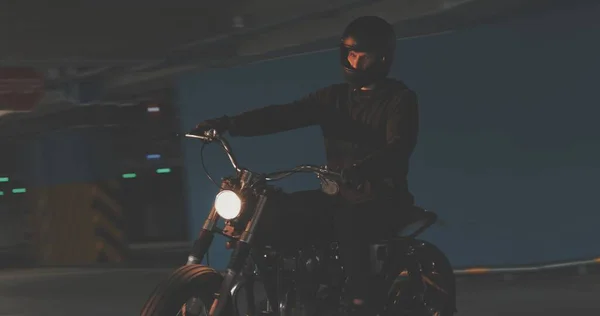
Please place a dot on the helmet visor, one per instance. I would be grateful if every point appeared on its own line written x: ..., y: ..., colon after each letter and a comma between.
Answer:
x: 354, y: 57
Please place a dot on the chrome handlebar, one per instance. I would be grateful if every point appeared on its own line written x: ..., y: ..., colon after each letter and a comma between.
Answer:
x: 211, y: 136
x: 321, y: 172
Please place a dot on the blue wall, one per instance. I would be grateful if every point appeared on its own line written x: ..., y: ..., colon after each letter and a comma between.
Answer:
x: 509, y: 150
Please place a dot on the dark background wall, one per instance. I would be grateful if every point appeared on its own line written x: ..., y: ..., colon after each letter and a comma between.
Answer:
x: 509, y: 150
x: 67, y: 156
x: 80, y: 155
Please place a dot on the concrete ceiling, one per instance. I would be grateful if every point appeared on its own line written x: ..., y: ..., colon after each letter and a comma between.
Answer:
x: 133, y: 32
x: 101, y: 33
x: 137, y: 45
x: 120, y: 33
x: 319, y: 29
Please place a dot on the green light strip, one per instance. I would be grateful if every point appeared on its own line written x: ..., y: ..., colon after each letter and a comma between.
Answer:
x: 129, y: 175
x: 163, y: 170
x: 19, y: 190
x: 4, y: 179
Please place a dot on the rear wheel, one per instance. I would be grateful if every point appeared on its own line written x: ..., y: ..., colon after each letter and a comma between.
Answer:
x: 190, y: 290
x: 437, y: 277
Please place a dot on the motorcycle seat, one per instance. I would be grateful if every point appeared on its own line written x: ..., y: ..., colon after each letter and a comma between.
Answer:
x: 419, y: 219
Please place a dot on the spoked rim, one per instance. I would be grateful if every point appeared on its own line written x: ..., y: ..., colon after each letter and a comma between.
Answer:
x: 437, y: 296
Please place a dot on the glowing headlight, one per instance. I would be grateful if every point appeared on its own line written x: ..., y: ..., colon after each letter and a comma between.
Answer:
x: 228, y: 204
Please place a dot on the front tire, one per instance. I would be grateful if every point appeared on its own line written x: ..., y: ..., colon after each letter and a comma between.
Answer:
x: 188, y: 282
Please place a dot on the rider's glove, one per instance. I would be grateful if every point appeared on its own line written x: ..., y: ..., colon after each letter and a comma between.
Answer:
x: 353, y: 177
x: 221, y: 125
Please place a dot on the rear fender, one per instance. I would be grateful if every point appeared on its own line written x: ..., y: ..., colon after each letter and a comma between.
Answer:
x: 421, y: 221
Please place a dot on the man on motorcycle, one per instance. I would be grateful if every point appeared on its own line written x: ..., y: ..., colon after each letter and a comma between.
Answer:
x: 370, y: 127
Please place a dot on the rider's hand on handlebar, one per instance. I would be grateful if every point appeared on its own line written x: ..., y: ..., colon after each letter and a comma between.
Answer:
x: 221, y: 125
x: 353, y: 177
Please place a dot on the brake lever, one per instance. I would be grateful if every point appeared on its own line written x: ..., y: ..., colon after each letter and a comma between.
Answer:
x: 201, y: 137
x: 209, y: 136
x: 325, y: 173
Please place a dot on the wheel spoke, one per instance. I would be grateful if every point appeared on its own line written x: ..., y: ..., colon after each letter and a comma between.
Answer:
x: 433, y: 284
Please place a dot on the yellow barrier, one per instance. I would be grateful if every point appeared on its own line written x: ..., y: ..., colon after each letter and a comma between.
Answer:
x: 76, y: 224
x: 107, y: 216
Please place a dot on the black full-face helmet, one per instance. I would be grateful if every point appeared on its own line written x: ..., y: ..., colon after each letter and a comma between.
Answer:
x: 374, y: 36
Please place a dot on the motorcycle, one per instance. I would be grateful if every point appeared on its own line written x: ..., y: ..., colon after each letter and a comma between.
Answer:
x: 413, y: 276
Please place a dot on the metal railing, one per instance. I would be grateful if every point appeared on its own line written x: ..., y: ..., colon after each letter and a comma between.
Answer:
x: 475, y: 270
x: 527, y: 268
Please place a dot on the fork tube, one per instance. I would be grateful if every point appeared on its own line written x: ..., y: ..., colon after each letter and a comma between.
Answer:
x: 205, y: 238
x: 238, y: 259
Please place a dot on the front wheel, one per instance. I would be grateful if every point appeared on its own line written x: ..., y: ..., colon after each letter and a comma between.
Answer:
x: 189, y: 291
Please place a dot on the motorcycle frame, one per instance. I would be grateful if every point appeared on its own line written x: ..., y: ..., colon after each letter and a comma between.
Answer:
x: 246, y: 262
x: 403, y: 251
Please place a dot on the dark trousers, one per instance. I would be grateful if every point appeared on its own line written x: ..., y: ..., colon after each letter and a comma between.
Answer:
x: 307, y: 217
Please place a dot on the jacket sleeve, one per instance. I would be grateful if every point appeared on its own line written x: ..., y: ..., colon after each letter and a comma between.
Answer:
x: 307, y: 111
x: 402, y: 126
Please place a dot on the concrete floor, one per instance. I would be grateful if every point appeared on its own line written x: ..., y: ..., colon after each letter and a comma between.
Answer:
x: 117, y: 291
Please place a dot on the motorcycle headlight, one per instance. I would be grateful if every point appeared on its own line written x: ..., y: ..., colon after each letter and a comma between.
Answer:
x: 228, y: 204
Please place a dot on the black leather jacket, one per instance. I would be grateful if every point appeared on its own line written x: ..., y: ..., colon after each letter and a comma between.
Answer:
x: 376, y: 129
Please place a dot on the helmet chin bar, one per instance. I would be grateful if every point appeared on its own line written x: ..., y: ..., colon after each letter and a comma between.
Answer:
x: 361, y: 78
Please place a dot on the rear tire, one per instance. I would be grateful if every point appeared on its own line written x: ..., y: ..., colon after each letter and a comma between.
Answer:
x: 189, y: 281
x: 438, y: 278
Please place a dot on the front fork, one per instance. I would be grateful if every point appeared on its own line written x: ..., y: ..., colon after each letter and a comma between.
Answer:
x: 205, y: 238
x: 238, y: 259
